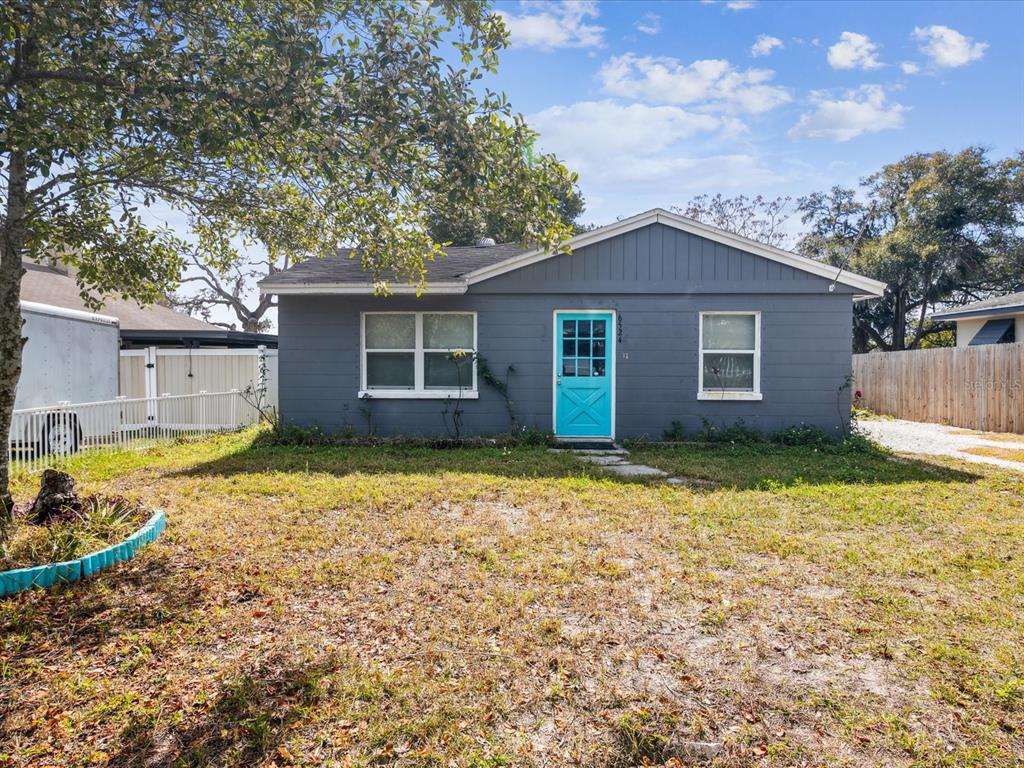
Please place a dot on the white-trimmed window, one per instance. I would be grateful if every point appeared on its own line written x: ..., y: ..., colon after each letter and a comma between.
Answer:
x: 418, y: 354
x: 730, y: 356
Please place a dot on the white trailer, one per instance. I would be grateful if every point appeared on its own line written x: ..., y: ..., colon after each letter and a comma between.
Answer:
x: 69, y: 357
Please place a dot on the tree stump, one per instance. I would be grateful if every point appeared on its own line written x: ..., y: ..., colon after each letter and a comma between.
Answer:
x: 56, y: 497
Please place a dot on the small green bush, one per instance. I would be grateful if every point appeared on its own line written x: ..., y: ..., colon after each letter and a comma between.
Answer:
x: 806, y: 435
x: 739, y: 433
x: 675, y: 433
x: 536, y: 437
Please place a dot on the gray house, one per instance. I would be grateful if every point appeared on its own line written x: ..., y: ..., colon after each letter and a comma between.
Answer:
x: 653, y: 319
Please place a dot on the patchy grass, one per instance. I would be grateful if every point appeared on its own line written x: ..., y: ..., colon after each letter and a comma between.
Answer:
x: 1010, y: 454
x: 489, y: 607
x: 768, y: 466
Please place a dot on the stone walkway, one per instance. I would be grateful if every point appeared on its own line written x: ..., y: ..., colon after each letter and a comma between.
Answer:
x: 616, y: 460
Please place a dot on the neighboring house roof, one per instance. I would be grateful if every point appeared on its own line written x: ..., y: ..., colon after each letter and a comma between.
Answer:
x: 45, y: 285
x: 218, y: 337
x: 474, y: 264
x: 997, y: 306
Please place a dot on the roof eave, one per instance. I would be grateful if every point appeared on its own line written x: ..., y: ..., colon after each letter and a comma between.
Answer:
x: 447, y: 288
x: 978, y: 314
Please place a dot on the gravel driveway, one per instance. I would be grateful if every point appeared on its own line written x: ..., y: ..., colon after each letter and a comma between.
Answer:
x: 941, y: 440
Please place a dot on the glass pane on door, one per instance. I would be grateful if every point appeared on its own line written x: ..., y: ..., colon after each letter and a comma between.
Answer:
x: 584, y: 347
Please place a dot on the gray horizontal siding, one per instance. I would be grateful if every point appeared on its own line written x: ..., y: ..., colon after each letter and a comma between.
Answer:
x: 805, y: 359
x: 657, y: 278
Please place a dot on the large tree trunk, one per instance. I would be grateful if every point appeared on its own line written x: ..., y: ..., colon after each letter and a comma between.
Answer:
x: 12, y: 244
x: 899, y: 328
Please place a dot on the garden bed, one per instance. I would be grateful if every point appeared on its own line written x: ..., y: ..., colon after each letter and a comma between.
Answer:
x: 75, y: 544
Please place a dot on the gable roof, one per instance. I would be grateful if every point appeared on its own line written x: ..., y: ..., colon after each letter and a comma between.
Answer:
x: 492, y: 261
x: 1010, y: 304
x: 45, y: 285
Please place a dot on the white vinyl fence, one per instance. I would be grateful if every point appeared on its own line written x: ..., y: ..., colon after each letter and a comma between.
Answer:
x: 43, y: 437
x: 152, y: 372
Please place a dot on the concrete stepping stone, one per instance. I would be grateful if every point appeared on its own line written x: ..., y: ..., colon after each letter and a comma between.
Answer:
x: 616, y: 461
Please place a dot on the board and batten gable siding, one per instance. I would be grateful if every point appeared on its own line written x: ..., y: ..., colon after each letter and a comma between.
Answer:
x: 657, y: 259
x: 805, y: 343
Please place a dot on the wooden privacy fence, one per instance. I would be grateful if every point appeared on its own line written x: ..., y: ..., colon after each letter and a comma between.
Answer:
x: 979, y: 387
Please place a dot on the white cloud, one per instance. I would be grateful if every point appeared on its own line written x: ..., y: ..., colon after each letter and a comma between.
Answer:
x: 649, y: 24
x: 632, y: 157
x: 764, y: 45
x: 864, y: 110
x: 910, y: 68
x: 854, y: 51
x: 554, y: 25
x: 734, y: 5
x: 602, y: 130
x: 948, y: 48
x: 711, y: 84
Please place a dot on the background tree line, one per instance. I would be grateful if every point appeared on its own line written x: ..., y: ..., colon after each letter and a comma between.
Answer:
x: 940, y: 229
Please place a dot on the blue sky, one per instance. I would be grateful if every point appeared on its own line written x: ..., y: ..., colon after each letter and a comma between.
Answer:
x: 655, y: 102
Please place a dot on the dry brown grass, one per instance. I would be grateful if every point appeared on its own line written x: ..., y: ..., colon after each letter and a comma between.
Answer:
x: 998, y: 437
x: 1010, y: 454
x: 488, y: 608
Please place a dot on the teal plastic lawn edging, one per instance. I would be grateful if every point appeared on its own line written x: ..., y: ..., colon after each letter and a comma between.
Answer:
x: 44, y: 576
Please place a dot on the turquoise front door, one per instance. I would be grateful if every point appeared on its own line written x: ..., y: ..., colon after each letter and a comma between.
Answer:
x: 584, y: 362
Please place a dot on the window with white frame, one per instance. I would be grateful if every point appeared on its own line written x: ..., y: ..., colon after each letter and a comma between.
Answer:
x: 730, y: 355
x: 418, y: 354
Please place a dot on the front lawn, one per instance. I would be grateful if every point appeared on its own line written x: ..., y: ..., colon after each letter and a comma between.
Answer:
x: 492, y: 607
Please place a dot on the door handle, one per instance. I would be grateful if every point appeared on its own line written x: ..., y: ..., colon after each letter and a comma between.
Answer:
x: 558, y: 382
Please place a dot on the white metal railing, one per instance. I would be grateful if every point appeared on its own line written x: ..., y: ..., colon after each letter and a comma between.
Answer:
x: 44, y: 436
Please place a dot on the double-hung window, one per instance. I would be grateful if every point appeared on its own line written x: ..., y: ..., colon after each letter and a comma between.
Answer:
x: 730, y: 356
x: 418, y: 354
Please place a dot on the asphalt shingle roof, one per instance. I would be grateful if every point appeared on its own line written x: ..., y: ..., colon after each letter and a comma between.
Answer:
x: 994, y: 303
x: 45, y: 285
x: 347, y: 268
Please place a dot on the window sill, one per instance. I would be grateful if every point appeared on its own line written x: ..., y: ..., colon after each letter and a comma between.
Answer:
x: 729, y: 396
x: 417, y: 394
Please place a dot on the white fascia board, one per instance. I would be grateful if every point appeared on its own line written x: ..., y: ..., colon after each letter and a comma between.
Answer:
x: 72, y: 314
x: 360, y: 289
x: 868, y: 288
x: 988, y: 313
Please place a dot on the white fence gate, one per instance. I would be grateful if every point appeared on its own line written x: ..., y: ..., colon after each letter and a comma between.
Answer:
x: 152, y: 372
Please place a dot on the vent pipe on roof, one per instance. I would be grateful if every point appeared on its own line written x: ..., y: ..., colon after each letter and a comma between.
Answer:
x: 483, y: 241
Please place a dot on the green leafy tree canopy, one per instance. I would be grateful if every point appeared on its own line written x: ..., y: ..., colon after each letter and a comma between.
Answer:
x: 365, y: 107
x: 940, y: 229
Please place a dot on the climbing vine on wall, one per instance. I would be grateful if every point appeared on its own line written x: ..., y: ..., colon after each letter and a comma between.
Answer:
x: 501, y: 386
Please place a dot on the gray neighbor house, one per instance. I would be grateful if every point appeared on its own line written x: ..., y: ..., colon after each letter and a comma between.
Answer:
x: 653, y: 319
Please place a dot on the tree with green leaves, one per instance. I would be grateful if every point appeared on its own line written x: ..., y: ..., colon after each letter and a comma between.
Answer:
x: 231, y: 253
x: 940, y: 229
x: 366, y: 108
x: 501, y: 224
